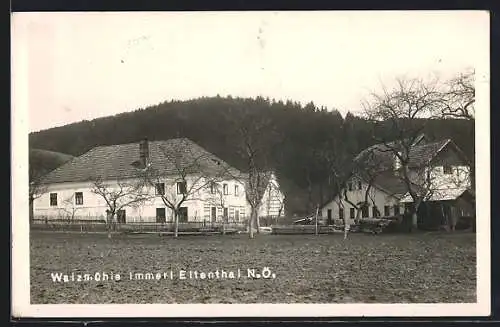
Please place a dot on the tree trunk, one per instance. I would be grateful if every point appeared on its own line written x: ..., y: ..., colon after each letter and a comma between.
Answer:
x: 31, y: 213
x: 445, y: 223
x: 414, y: 221
x: 257, y: 221
x: 321, y: 195
x: 453, y: 218
x: 176, y: 224
x: 309, y: 198
x: 110, y: 218
x: 316, y: 222
x: 347, y: 226
x: 250, y: 222
x: 414, y: 216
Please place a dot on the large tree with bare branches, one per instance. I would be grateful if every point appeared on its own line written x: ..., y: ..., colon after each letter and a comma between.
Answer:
x: 118, y: 195
x: 344, y: 171
x: 185, y: 173
x: 459, y: 97
x: 254, y: 135
x: 398, y: 110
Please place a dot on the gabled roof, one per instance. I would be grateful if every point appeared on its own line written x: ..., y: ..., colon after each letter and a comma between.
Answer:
x: 381, y: 157
x: 390, y: 184
x: 442, y: 194
x: 384, y: 155
x: 121, y: 162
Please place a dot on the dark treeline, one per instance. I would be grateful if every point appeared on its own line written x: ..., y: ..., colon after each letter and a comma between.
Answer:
x: 304, y: 132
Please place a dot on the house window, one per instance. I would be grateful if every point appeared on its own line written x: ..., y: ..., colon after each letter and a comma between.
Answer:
x: 349, y: 186
x: 351, y: 213
x: 364, y: 211
x: 53, y: 199
x: 183, y: 214
x: 396, y: 210
x: 225, y: 189
x: 375, y: 211
x: 236, y: 190
x: 120, y: 216
x: 181, y: 188
x: 160, y: 215
x: 79, y: 198
x: 213, y: 186
x: 213, y: 214
x: 226, y: 214
x: 160, y: 188
x: 387, y: 211
x: 447, y: 169
x: 341, y: 213
x: 359, y: 185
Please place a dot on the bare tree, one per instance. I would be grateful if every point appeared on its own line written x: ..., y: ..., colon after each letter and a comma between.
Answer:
x: 69, y: 208
x: 118, y: 195
x: 254, y: 134
x: 343, y: 170
x: 36, y: 189
x: 185, y: 171
x: 459, y: 97
x: 399, y: 109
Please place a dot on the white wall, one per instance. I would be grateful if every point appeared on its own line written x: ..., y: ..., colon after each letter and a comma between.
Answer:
x: 234, y: 200
x: 459, y: 177
x: 357, y: 195
x: 272, y: 204
x: 94, y: 207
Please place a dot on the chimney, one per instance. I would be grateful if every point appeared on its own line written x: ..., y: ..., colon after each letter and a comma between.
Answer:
x: 144, y: 151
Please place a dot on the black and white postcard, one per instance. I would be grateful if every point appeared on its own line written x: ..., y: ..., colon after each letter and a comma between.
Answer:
x: 250, y: 164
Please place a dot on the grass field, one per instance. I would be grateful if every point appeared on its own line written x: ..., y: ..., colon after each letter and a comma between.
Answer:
x: 435, y: 267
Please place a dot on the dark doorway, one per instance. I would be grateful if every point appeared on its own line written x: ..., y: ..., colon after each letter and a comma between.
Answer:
x: 329, y: 217
x: 160, y: 215
x: 183, y: 214
x: 214, y: 214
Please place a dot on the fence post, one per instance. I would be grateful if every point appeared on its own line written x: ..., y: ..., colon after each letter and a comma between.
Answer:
x: 316, y: 221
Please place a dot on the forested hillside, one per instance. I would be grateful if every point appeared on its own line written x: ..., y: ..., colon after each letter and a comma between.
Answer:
x: 43, y: 161
x: 299, y: 134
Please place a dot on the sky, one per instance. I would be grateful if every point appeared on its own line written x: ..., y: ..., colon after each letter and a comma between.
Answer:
x: 68, y: 67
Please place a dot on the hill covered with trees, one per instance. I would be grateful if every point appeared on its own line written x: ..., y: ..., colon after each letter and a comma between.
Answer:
x: 294, y: 147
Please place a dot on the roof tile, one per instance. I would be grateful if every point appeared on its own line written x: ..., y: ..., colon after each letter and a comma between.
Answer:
x: 120, y: 161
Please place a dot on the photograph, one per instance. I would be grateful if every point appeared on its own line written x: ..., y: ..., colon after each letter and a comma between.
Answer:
x: 250, y: 164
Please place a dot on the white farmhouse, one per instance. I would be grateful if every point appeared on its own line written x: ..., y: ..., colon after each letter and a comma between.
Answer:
x: 440, y: 169
x: 213, y: 190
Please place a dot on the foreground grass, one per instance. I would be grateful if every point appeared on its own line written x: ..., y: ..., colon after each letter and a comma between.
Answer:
x: 308, y: 268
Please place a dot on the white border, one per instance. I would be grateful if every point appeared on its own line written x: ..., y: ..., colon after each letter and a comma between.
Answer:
x: 20, y: 231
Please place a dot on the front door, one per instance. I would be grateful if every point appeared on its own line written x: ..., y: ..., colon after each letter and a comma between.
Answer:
x: 214, y: 214
x: 329, y: 217
x: 160, y: 215
x: 183, y: 215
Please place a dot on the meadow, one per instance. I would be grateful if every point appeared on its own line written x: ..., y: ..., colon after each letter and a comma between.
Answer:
x: 387, y: 268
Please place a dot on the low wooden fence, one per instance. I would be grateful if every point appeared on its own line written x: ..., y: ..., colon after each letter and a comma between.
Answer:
x: 136, y: 227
